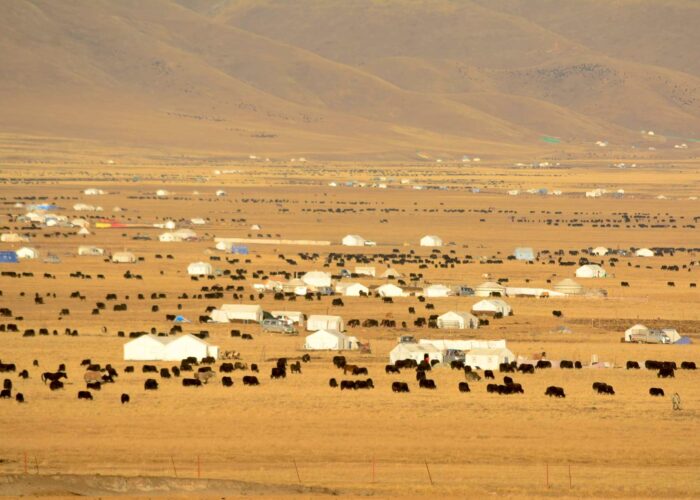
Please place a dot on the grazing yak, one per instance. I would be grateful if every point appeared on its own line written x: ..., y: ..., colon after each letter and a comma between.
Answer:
x: 296, y: 367
x: 19, y: 397
x: 56, y: 385
x: 226, y: 382
x: 472, y: 376
x: 85, y: 395
x: 400, y: 387
x: 666, y: 373
x: 488, y: 374
x: 333, y: 383
x: 91, y: 376
x: 191, y: 382
x: 150, y: 384
x: 125, y: 398
x: 250, y: 380
x: 632, y: 365
x: 603, y: 388
x: 656, y: 391
x: 53, y: 376
x: 427, y: 384
x: 554, y: 391
x: 392, y: 369
x: 204, y: 376
x: 464, y: 387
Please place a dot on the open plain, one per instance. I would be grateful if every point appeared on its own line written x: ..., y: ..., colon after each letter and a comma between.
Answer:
x: 299, y: 436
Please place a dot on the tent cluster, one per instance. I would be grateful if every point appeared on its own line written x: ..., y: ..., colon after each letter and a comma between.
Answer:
x: 484, y: 354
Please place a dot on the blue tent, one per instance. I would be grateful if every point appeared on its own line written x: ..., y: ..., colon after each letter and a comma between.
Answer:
x: 8, y: 258
x: 239, y: 249
x: 181, y: 319
x: 683, y: 341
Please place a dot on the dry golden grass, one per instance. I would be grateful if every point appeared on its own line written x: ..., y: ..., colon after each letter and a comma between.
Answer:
x: 248, y: 439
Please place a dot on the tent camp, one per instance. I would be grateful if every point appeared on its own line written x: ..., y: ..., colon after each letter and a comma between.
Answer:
x: 437, y: 290
x: 200, y: 269
x: 590, y: 271
x: 644, y: 252
x: 353, y: 240
x: 568, y: 286
x: 317, y: 279
x: 243, y: 312
x: 490, y: 289
x: 329, y: 340
x: 123, y: 257
x: 488, y: 359
x: 524, y: 253
x: 492, y: 307
x: 458, y: 320
x: 430, y: 240
x: 324, y: 322
x: 417, y: 352
x: 389, y: 290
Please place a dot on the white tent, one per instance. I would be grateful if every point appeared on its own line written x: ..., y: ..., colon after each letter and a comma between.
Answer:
x: 123, y: 257
x: 599, y: 251
x: 430, y: 240
x: 488, y: 359
x: 145, y: 348
x: 353, y: 240
x: 189, y: 346
x: 243, y: 312
x: 417, y: 352
x: 464, y: 345
x: 590, y: 271
x: 459, y: 320
x: 437, y: 291
x: 329, y: 340
x: 490, y: 289
x: 90, y: 250
x: 519, y: 291
x: 83, y: 231
x: 200, y: 269
x: 644, y: 252
x: 366, y: 270
x: 27, y: 253
x: 637, y: 329
x: 390, y: 290
x: 492, y: 306
x: 162, y: 193
x: 317, y: 279
x: 13, y: 238
x: 390, y: 273
x: 93, y: 192
x: 218, y: 316
x: 198, y: 221
x: 569, y: 287
x: 324, y: 322
x: 352, y: 289
x: 293, y: 316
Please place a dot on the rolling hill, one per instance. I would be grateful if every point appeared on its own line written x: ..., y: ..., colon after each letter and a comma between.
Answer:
x: 361, y: 79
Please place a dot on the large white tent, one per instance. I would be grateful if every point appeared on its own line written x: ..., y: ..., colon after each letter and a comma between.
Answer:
x: 154, y: 348
x: 437, y: 290
x: 644, y: 252
x: 324, y: 322
x: 417, y: 352
x: 459, y: 320
x: 599, y: 251
x: 352, y: 289
x: 490, y: 289
x: 123, y: 257
x: 430, y: 240
x: 27, y: 253
x: 200, y: 269
x: 317, y: 279
x: 590, y: 271
x: 243, y: 312
x: 390, y: 290
x: 492, y: 307
x: 488, y: 359
x: 353, y: 240
x: 329, y: 340
x: 90, y: 250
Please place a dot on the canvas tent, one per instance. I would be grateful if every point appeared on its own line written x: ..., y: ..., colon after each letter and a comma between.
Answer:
x: 317, y: 279
x: 353, y: 240
x: 417, y: 352
x: 490, y: 289
x: 390, y: 273
x: 352, y: 289
x: 492, y: 307
x: 590, y: 271
x: 437, y: 291
x: 329, y: 340
x: 430, y: 240
x: 90, y: 250
x: 366, y: 270
x: 200, y: 269
x: 644, y: 252
x: 189, y: 346
x: 123, y: 257
x: 458, y: 320
x: 390, y: 290
x: 524, y: 253
x: 243, y: 312
x: 324, y: 322
x: 599, y: 251
x: 27, y: 253
x: 569, y: 287
x: 488, y: 359
x: 145, y: 348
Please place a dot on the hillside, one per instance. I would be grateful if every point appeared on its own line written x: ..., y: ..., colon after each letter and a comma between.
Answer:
x: 360, y: 79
